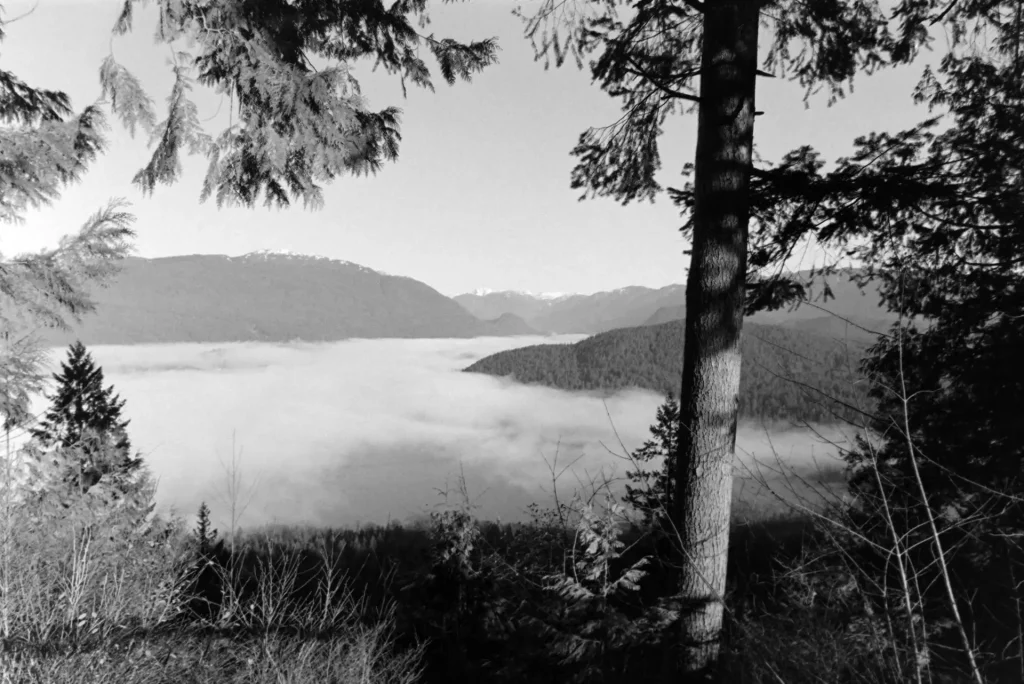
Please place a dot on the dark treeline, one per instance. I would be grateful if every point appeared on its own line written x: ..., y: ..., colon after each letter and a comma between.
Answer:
x: 787, y: 374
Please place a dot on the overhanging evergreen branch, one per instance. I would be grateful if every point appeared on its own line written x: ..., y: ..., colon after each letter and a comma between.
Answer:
x: 128, y: 100
x: 621, y: 161
x: 181, y: 129
x: 36, y: 163
x: 27, y: 106
x: 124, y: 20
x: 50, y: 285
x: 462, y: 61
x: 300, y: 124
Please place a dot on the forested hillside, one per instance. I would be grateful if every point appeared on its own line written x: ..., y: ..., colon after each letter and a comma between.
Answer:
x: 269, y: 297
x: 632, y: 306
x: 787, y: 374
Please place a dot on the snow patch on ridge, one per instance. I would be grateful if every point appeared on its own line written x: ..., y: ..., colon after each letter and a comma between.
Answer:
x: 547, y: 296
x: 267, y: 254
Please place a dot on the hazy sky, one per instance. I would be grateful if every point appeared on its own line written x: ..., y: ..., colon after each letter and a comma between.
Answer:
x: 480, y: 195
x: 363, y: 430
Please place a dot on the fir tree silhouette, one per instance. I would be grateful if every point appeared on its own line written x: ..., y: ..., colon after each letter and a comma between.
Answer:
x: 652, y: 496
x: 84, y: 421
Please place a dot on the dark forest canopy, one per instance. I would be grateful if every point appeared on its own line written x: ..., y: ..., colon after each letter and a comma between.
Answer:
x: 786, y: 375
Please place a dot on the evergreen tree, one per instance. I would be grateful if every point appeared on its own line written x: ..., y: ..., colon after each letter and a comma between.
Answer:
x: 84, y: 421
x: 935, y: 213
x: 205, y: 534
x: 652, y: 495
x: 650, y: 58
x: 294, y: 125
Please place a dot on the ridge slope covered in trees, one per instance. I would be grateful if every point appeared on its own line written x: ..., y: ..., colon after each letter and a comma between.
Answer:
x: 787, y: 374
x: 269, y: 297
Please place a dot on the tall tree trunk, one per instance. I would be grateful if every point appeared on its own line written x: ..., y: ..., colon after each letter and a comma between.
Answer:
x: 714, y: 318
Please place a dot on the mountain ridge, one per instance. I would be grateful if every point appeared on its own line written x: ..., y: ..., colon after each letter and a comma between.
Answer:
x: 279, y: 295
x: 575, y: 313
x: 267, y: 296
x: 639, y: 305
x: 856, y: 328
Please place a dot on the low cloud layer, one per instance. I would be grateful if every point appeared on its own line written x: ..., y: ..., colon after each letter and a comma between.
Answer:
x: 365, y: 430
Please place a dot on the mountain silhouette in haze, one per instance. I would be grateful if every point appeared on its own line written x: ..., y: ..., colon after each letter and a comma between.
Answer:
x: 576, y: 313
x: 842, y: 327
x: 278, y: 297
x: 637, y: 306
x: 509, y: 324
x: 269, y: 297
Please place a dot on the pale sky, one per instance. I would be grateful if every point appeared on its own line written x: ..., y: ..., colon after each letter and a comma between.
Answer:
x: 479, y: 197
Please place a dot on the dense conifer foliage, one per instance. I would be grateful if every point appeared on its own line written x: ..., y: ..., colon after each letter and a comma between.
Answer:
x: 651, y: 58
x: 44, y: 146
x: 935, y: 214
x: 298, y: 116
x: 650, y: 493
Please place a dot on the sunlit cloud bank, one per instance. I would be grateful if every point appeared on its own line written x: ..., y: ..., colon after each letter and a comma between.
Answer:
x: 366, y: 430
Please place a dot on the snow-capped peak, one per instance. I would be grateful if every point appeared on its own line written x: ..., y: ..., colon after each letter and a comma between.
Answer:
x: 283, y: 253
x: 548, y: 296
x: 289, y: 254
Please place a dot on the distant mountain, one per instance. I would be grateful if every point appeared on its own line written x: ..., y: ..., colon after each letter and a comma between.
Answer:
x: 490, y: 304
x: 269, y: 297
x: 855, y: 329
x: 667, y: 314
x: 849, y: 301
x: 508, y: 325
x: 650, y: 357
x: 575, y: 313
x: 603, y: 311
x: 483, y: 292
x: 633, y: 306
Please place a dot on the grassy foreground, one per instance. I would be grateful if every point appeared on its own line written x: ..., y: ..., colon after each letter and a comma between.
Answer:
x: 574, y: 595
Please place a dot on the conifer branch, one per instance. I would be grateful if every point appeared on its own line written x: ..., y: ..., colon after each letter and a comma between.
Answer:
x: 36, y: 163
x: 638, y: 70
x: 7, y: 22
x: 124, y: 20
x: 26, y: 106
x: 50, y: 285
x: 181, y: 129
x: 298, y: 125
x: 127, y: 98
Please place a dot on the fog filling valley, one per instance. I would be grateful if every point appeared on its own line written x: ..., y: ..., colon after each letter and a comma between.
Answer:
x: 363, y: 431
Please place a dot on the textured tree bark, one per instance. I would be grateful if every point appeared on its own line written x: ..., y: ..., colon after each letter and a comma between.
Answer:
x: 714, y: 319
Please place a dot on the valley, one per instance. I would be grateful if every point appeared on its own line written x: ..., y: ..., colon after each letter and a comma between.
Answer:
x: 270, y: 296
x: 354, y: 394
x: 363, y: 343
x: 364, y: 431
